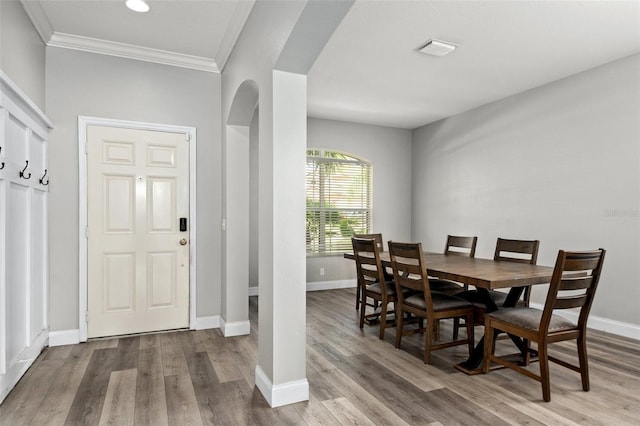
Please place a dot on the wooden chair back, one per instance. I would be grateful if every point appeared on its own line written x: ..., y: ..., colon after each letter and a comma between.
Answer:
x: 373, y: 283
x: 368, y: 264
x: 409, y: 270
x: 522, y: 251
x: 519, y: 251
x: 567, y: 292
x: 376, y: 237
x: 461, y: 246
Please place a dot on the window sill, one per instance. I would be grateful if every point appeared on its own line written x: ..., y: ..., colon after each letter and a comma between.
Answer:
x: 313, y: 255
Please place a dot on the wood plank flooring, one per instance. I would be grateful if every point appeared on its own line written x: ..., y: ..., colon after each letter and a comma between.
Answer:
x: 202, y: 378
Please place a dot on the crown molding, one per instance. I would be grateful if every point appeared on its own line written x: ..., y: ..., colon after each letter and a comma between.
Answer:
x: 239, y: 18
x: 39, y: 18
x: 42, y: 24
x: 129, y: 51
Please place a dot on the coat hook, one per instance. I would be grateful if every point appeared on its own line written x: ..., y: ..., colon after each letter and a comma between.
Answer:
x: 1, y: 164
x: 23, y: 175
x: 42, y: 179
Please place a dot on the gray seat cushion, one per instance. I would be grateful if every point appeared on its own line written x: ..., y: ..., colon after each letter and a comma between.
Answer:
x: 473, y: 296
x: 445, y: 286
x: 390, y: 286
x: 498, y: 297
x: 441, y: 302
x: 529, y: 318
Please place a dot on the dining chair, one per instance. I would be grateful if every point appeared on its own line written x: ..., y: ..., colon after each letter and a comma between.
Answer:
x: 372, y: 282
x: 379, y: 242
x: 415, y: 297
x: 507, y: 250
x: 456, y: 246
x: 573, y: 285
x: 519, y: 251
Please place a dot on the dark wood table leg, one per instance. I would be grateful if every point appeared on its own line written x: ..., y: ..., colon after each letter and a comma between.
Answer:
x: 472, y: 365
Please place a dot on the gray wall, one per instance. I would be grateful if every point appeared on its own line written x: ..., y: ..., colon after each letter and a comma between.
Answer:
x: 389, y: 149
x: 22, y: 51
x: 559, y: 163
x: 87, y: 84
x: 254, y: 187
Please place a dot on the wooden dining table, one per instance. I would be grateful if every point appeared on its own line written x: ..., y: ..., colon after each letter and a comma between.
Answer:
x: 485, y: 275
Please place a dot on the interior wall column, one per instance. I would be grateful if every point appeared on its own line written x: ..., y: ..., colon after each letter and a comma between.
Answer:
x: 235, y: 309
x: 281, y: 370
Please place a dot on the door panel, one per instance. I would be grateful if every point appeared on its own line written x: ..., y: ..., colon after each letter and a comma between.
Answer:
x: 119, y: 281
x: 119, y: 204
x: 161, y: 281
x: 161, y: 156
x: 118, y: 153
x: 138, y: 272
x: 162, y: 205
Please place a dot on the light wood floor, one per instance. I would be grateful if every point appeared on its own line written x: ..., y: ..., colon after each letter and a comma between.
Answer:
x: 200, y: 377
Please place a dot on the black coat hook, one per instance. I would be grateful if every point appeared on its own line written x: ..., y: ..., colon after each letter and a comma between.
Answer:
x: 42, y: 179
x: 1, y: 164
x: 23, y: 175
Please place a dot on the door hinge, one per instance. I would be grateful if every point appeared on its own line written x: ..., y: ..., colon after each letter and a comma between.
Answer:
x: 187, y: 137
x: 86, y: 232
x: 86, y: 317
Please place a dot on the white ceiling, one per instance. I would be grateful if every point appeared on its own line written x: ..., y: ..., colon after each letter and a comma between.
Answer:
x: 370, y: 71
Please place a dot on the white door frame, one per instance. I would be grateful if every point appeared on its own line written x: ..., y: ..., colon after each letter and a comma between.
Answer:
x: 190, y: 132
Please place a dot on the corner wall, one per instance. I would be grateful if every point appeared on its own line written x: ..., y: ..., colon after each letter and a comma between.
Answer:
x: 22, y: 51
x: 559, y: 163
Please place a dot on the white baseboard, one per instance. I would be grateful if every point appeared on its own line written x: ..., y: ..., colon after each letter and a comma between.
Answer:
x: 18, y: 366
x: 330, y: 285
x: 283, y: 394
x: 204, y: 323
x: 235, y: 328
x: 603, y: 324
x: 64, y: 337
x: 318, y: 285
x: 72, y: 337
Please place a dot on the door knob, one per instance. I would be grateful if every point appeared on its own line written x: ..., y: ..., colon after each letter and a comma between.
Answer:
x: 183, y: 242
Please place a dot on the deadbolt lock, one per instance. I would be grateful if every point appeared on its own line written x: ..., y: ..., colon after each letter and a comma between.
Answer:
x: 183, y: 242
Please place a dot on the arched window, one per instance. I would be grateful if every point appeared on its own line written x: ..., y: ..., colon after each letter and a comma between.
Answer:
x: 339, y: 200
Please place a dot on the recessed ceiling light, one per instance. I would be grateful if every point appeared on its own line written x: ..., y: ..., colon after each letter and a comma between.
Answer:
x: 437, y: 47
x: 137, y: 5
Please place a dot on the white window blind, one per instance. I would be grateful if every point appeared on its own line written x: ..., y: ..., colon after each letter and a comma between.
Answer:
x: 339, y: 200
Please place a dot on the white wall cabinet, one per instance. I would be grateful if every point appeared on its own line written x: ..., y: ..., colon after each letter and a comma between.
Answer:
x: 24, y: 321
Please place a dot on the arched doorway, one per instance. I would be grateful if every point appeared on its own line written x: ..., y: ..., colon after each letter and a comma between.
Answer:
x: 236, y: 208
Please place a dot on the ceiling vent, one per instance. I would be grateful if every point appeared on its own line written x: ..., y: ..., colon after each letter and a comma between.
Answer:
x: 437, y: 47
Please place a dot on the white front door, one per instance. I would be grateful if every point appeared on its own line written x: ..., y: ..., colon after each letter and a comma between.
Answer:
x: 138, y: 255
